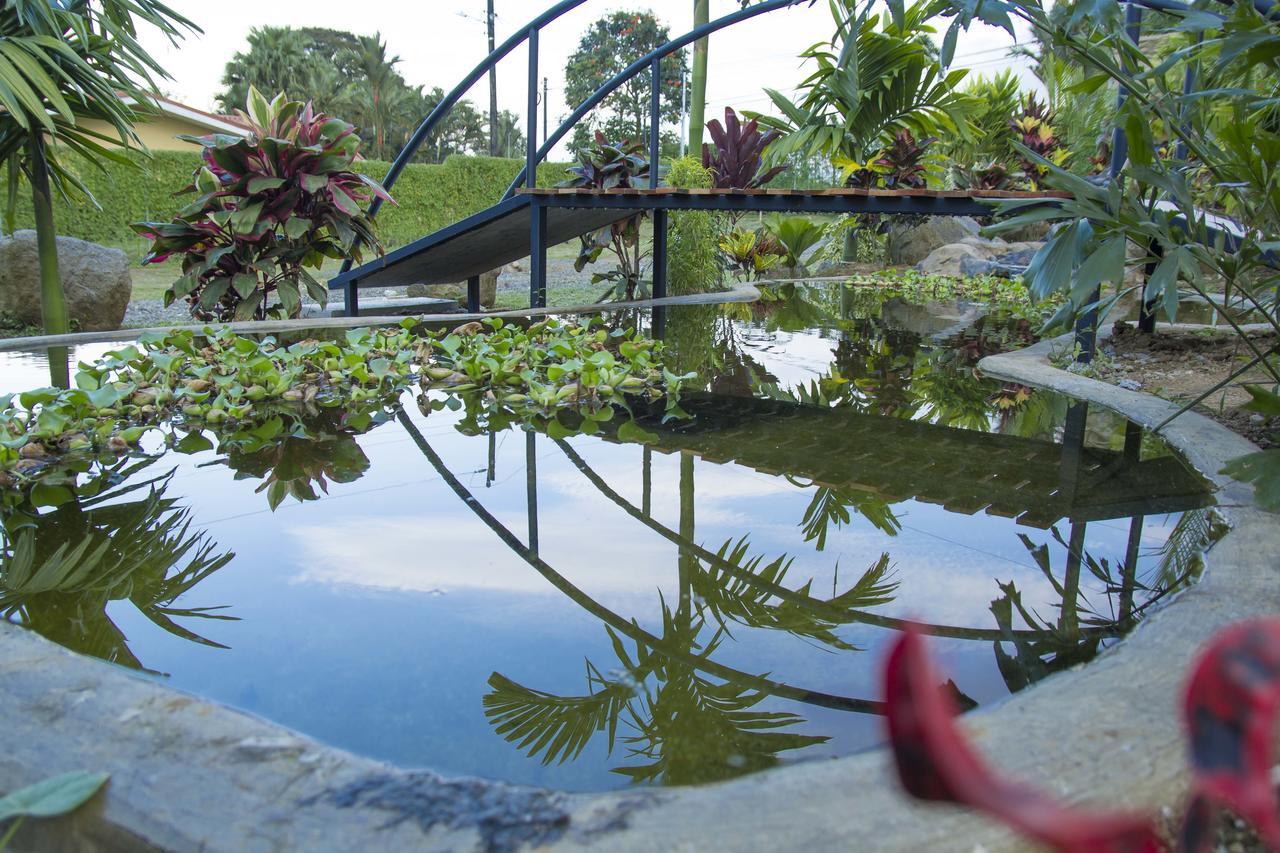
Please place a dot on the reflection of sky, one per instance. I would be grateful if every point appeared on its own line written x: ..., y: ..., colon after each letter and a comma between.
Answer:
x: 373, y: 617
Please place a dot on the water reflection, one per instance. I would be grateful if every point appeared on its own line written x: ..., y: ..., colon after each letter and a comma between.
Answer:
x: 112, y: 536
x: 443, y: 619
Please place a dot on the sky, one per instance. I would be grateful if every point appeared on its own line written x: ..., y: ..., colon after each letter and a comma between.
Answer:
x: 439, y: 41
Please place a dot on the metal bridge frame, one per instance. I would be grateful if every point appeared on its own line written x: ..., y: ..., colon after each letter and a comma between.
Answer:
x: 1086, y: 328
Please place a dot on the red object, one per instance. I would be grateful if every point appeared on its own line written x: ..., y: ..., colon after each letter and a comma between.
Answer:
x: 936, y: 762
x: 1230, y: 708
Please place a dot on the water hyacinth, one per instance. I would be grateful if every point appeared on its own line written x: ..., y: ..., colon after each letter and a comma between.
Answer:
x: 245, y: 389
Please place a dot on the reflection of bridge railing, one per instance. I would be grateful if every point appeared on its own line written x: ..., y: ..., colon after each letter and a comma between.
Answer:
x: 616, y: 621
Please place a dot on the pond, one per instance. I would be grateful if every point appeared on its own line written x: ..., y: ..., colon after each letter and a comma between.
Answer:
x: 589, y: 612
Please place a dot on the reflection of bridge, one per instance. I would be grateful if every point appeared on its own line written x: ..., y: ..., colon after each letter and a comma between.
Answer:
x: 1035, y: 481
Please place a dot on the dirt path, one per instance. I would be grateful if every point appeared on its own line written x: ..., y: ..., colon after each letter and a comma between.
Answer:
x: 1181, y: 365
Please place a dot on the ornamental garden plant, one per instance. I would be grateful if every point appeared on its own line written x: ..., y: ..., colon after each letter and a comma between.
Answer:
x: 269, y: 208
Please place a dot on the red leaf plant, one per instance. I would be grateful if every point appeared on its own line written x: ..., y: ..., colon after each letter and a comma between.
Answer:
x: 1230, y: 708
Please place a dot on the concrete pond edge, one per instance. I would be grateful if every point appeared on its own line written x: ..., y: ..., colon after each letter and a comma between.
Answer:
x: 739, y: 293
x: 187, y: 774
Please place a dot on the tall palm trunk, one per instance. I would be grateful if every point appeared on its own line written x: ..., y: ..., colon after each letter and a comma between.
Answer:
x: 698, y: 88
x: 53, y: 304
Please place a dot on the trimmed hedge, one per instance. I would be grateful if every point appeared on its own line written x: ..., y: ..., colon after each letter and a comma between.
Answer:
x: 428, y: 196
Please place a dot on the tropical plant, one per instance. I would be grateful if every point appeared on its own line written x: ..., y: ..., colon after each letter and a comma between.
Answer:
x: 268, y: 208
x: 877, y: 75
x: 904, y: 161
x: 605, y: 165
x: 698, y: 81
x: 376, y: 98
x: 997, y: 102
x: 750, y: 254
x: 738, y: 157
x: 1232, y: 688
x: 1038, y: 140
x: 65, y: 65
x: 989, y: 176
x: 608, y: 46
x: 795, y: 234
x: 1221, y: 130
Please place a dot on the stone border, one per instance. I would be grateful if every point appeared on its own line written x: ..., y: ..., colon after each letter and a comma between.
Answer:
x: 740, y: 293
x: 192, y: 775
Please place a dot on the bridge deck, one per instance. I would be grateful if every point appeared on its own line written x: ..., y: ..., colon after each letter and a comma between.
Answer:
x: 526, y: 224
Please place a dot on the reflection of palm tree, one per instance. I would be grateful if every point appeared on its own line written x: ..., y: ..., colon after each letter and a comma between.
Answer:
x: 687, y: 727
x: 1081, y: 627
x: 59, y: 570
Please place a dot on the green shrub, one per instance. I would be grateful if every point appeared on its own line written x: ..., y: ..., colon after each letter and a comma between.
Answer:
x: 693, y: 256
x: 428, y: 196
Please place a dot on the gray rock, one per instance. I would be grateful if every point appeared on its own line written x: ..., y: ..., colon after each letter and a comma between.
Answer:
x: 1130, y: 384
x: 1008, y: 265
x: 488, y: 290
x: 945, y: 260
x: 907, y: 245
x: 95, y: 281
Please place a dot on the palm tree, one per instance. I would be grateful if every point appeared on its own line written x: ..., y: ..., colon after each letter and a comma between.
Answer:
x: 62, y: 63
x: 873, y: 78
x: 279, y: 59
x: 510, y: 136
x: 377, y: 96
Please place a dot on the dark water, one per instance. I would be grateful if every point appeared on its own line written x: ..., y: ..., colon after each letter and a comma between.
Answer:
x: 475, y: 600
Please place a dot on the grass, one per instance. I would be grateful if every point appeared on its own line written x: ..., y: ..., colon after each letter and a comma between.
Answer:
x: 152, y: 280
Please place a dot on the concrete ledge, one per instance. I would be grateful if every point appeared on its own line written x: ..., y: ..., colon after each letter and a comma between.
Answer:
x: 740, y: 293
x: 188, y: 774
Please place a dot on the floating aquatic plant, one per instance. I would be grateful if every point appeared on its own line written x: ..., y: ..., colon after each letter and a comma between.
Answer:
x: 247, y: 389
x: 549, y: 367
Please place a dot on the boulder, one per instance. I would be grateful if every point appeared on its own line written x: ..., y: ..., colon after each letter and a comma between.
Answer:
x: 488, y: 290
x: 1008, y: 265
x: 945, y: 260
x: 95, y: 281
x: 911, y: 244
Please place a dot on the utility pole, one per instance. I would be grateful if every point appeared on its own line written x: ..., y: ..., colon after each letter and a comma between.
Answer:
x: 493, y: 87
x: 684, y: 112
x: 544, y: 110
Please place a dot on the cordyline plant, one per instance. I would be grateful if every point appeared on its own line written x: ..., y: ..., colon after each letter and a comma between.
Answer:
x: 268, y: 208
x: 1229, y: 709
x: 737, y: 159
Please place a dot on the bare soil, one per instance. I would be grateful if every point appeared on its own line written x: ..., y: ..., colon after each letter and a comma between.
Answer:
x: 1182, y: 365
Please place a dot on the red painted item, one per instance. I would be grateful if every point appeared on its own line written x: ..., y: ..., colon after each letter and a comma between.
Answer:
x: 1230, y: 709
x: 936, y: 762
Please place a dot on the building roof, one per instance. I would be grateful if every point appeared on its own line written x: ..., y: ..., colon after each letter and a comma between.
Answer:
x: 215, y: 123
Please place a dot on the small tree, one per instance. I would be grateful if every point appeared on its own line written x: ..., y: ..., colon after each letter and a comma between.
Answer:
x: 268, y: 208
x: 606, y: 48
x: 64, y: 63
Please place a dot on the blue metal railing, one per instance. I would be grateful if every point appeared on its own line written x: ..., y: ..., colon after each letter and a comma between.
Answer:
x: 530, y: 34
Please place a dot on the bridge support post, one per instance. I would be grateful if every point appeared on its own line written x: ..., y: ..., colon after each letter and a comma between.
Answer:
x: 1147, y: 309
x: 537, y: 254
x: 473, y: 294
x: 659, y: 253
x: 351, y: 298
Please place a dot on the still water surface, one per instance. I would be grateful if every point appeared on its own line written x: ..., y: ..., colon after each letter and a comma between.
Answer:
x: 713, y: 604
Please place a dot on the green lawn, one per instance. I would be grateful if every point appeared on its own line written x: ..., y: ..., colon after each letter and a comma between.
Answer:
x: 151, y: 281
